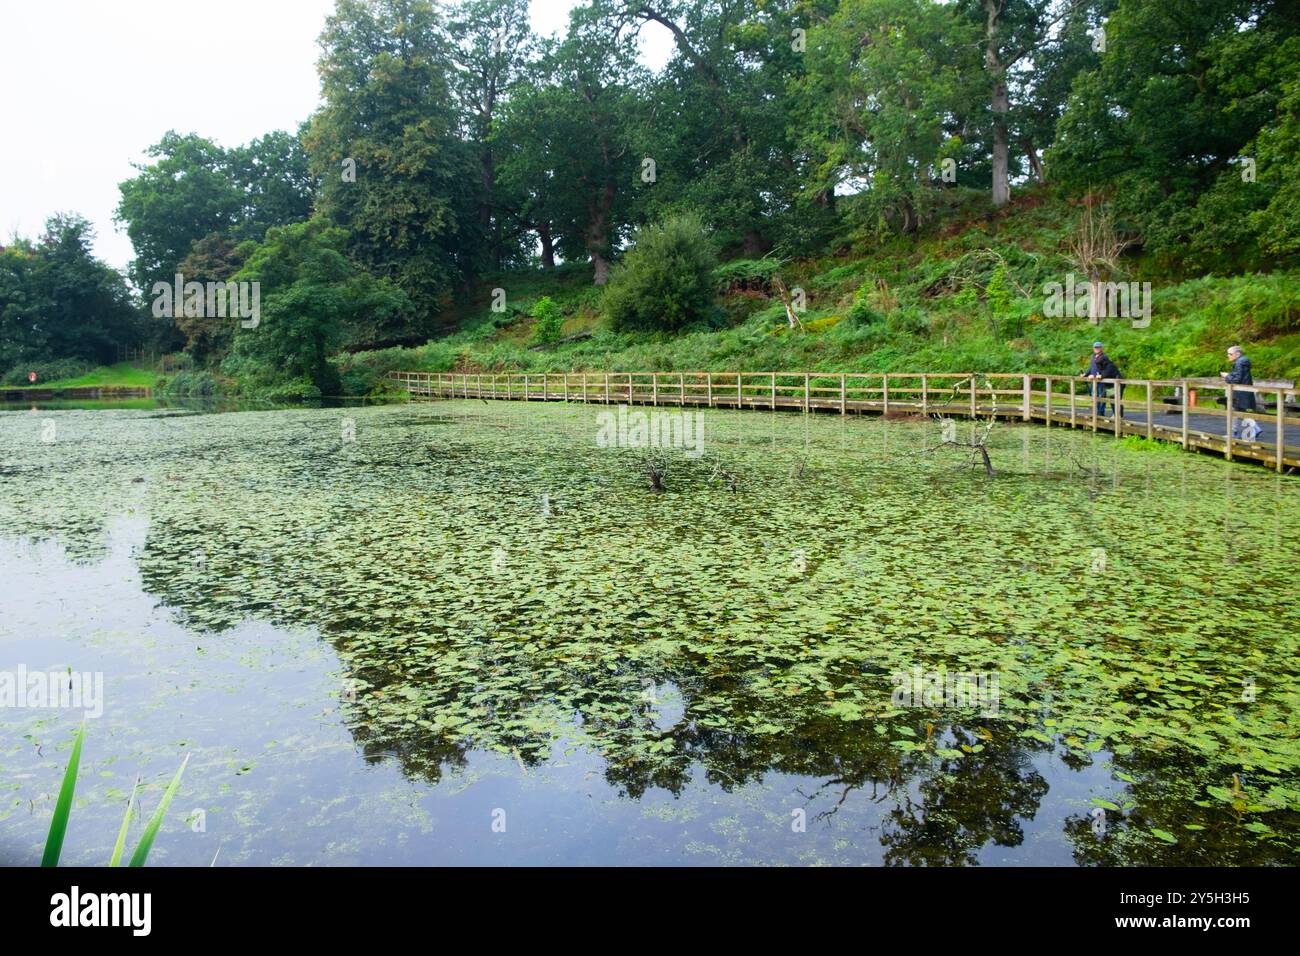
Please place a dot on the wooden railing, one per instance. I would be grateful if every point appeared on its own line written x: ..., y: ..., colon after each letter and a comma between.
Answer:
x: 1151, y: 408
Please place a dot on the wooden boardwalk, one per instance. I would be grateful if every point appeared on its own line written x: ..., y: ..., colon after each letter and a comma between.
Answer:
x: 1150, y: 408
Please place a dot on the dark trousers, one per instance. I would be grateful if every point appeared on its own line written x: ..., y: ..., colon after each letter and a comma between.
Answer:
x: 1099, y: 393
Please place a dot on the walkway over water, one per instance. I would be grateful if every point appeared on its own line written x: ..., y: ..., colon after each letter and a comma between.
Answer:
x: 1150, y: 408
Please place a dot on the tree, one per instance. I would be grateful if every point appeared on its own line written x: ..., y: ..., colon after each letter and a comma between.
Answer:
x: 1019, y: 40
x: 185, y: 194
x: 571, y: 134
x: 275, y: 182
x: 887, y: 84
x: 58, y: 301
x: 195, y: 188
x: 1187, y: 92
x: 723, y: 116
x: 214, y: 258
x: 492, y: 45
x: 314, y: 301
x: 394, y: 170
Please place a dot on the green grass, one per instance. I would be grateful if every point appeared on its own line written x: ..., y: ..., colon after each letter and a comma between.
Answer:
x: 123, y: 374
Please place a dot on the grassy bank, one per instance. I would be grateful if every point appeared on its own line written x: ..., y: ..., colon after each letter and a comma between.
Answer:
x: 122, y: 375
x: 969, y: 299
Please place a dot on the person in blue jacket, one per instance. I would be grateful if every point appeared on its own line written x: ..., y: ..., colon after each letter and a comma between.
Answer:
x: 1100, y: 368
x: 1240, y: 375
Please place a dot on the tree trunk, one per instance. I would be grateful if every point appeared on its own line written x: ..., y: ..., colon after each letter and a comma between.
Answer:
x: 1001, y: 105
x: 598, y: 232
x: 548, y: 245
x: 753, y: 243
x: 1035, y: 163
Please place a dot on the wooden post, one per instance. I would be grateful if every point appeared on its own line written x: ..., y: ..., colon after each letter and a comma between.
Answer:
x: 807, y: 393
x: 843, y: 395
x: 1095, y: 389
x: 606, y: 388
x: 1117, y: 413
x: 1227, y: 426
x: 1281, y: 429
x: 546, y: 386
x: 739, y: 398
x: 1072, y: 412
x: 773, y: 399
x: 925, y: 395
x: 1182, y: 388
x: 1150, y: 414
x: 1025, y: 411
x: 566, y: 387
x: 709, y: 385
x: 1047, y: 400
x: 525, y: 387
x: 974, y: 413
x: 1281, y: 438
x: 629, y: 388
x: 654, y: 388
x: 585, y: 399
x: 884, y: 392
x: 681, y: 389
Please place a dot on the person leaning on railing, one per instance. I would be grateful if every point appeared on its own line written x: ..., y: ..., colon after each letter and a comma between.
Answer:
x: 1242, y: 401
x: 1100, y: 368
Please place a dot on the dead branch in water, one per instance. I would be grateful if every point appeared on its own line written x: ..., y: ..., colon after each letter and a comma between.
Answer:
x: 978, y: 442
x: 977, y: 445
x: 654, y: 469
x: 730, y: 479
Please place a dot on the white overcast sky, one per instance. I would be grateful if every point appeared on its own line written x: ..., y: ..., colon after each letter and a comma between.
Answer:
x: 89, y: 84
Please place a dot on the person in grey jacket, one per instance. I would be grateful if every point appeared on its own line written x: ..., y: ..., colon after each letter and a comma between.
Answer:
x: 1240, y: 375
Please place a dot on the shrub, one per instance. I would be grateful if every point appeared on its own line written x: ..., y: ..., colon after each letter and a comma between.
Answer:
x: 666, y: 281
x: 861, y: 312
x: 547, y: 321
x: 197, y: 384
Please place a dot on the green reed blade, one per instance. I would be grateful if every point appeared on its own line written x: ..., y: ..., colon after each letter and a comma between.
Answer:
x: 151, y: 831
x: 59, y: 825
x: 121, y: 834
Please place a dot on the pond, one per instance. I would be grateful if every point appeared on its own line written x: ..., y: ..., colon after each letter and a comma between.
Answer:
x: 465, y: 632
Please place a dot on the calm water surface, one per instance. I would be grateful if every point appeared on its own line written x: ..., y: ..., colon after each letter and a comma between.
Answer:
x: 461, y: 632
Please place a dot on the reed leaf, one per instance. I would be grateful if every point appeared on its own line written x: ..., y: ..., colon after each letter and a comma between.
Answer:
x: 151, y: 831
x: 116, y: 859
x: 59, y: 825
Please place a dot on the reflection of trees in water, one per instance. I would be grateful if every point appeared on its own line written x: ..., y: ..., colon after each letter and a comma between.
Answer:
x: 1170, y: 795
x: 514, y: 701
x: 964, y: 805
